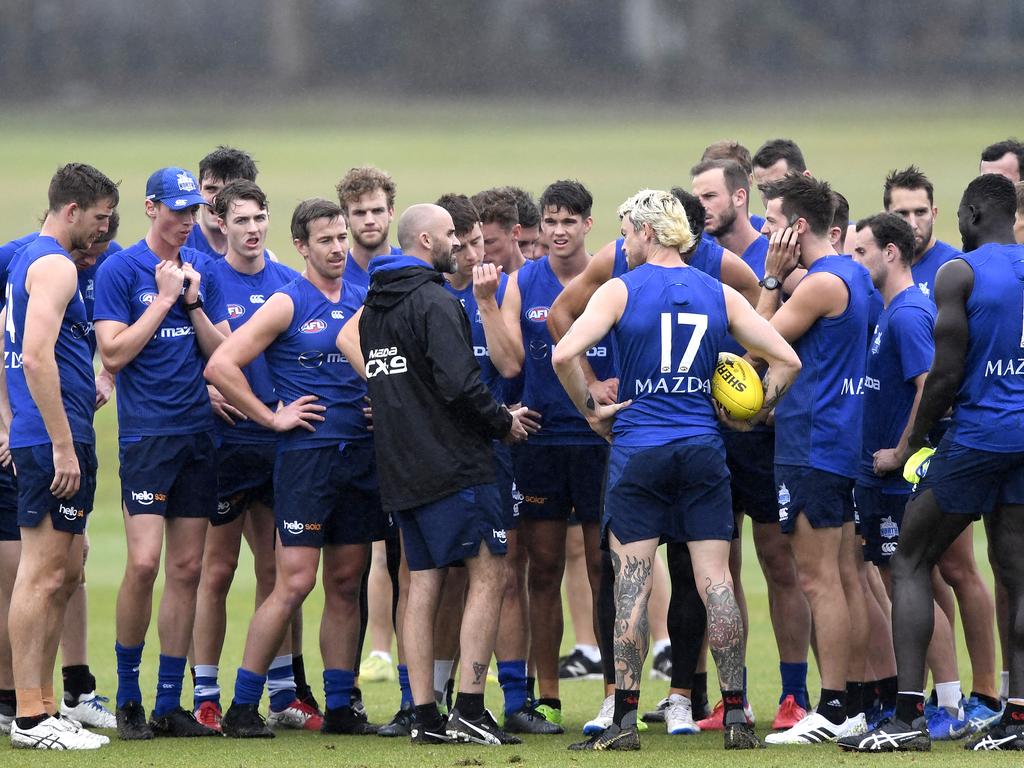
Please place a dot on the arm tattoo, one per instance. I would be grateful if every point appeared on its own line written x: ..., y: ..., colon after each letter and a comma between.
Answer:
x: 772, y: 392
x: 631, y: 629
x: 590, y: 403
x: 479, y: 670
x: 725, y: 634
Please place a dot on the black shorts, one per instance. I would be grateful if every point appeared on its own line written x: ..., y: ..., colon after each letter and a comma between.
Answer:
x: 751, y: 461
x: 967, y: 481
x: 9, y: 530
x: 881, y: 517
x: 35, y: 475
x: 169, y: 475
x: 824, y: 498
x: 245, y: 474
x: 560, y: 480
x: 450, y: 530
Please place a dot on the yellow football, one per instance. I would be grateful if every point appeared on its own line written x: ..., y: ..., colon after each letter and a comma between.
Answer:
x: 737, y: 386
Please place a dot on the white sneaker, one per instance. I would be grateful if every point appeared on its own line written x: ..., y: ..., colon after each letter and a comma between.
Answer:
x: 815, y: 729
x: 604, y: 718
x: 90, y: 712
x: 51, y: 734
x: 74, y: 725
x: 679, y: 716
x: 5, y: 723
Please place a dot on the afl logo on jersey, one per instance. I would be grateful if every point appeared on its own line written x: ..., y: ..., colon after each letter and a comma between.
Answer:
x: 147, y: 298
x: 537, y: 314
x: 313, y: 326
x: 235, y: 311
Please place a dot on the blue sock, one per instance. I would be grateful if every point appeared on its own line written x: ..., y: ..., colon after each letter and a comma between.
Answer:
x: 168, y: 685
x: 403, y: 683
x: 129, y: 659
x: 248, y: 687
x: 794, y: 682
x: 206, y: 687
x: 338, y: 684
x: 281, y: 683
x: 512, y: 678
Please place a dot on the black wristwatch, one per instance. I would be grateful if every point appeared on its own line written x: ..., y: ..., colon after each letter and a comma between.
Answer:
x: 197, y: 304
x: 771, y: 283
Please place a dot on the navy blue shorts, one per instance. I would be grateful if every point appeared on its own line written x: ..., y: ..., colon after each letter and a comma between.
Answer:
x: 676, y: 493
x: 9, y: 530
x: 169, y: 475
x: 824, y: 498
x: 448, y: 531
x: 245, y: 474
x: 35, y: 475
x: 557, y: 480
x: 511, y: 498
x: 881, y: 516
x: 328, y: 496
x: 966, y: 481
x: 750, y: 457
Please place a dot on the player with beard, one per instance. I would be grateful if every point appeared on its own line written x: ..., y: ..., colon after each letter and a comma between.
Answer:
x: 733, y: 150
x: 367, y: 196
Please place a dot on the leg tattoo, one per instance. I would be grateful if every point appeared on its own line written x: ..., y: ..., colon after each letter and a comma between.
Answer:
x: 631, y: 638
x: 725, y: 634
x: 479, y: 670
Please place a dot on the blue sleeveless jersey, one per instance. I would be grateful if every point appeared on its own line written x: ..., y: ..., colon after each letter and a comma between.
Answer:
x: 74, y: 358
x: 901, y: 349
x: 707, y: 258
x: 926, y: 268
x: 989, y: 411
x: 358, y: 276
x: 304, y: 360
x: 561, y: 423
x: 499, y: 386
x: 667, y: 342
x: 818, y: 422
x: 161, y: 391
x: 755, y: 254
x: 244, y: 295
x: 197, y: 241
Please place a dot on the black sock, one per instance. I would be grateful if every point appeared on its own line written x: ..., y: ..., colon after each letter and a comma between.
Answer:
x: 77, y: 681
x: 887, y: 688
x: 8, y: 702
x: 732, y: 701
x: 24, y: 723
x: 626, y: 703
x: 1013, y: 714
x: 470, y: 705
x: 909, y: 707
x: 553, y: 703
x: 299, y: 672
x: 531, y: 689
x: 988, y: 701
x: 699, y: 692
x: 832, y: 706
x: 426, y: 714
x: 855, y: 694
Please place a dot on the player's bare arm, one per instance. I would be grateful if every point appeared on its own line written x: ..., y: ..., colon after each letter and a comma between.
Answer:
x: 888, y: 460
x: 499, y: 335
x: 348, y: 344
x: 508, y: 356
x: 208, y: 335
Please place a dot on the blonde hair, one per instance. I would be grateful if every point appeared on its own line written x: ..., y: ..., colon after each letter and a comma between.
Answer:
x: 663, y: 212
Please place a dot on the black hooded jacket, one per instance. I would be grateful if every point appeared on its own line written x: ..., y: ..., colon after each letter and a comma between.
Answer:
x: 433, y: 417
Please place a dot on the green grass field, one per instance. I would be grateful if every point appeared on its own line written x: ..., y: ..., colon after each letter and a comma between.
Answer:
x: 302, y: 151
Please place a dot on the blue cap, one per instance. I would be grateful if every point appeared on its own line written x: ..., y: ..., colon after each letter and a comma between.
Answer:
x: 174, y: 187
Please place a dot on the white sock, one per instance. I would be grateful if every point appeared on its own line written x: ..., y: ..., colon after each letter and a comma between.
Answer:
x: 660, y: 645
x: 206, y: 671
x: 382, y: 655
x: 1004, y: 684
x: 949, y: 695
x: 592, y: 652
x: 442, y: 674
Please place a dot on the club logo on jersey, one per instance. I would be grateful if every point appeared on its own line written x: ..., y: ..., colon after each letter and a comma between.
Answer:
x: 888, y: 528
x: 876, y: 342
x: 477, y: 318
x: 235, y: 311
x: 257, y: 298
x: 784, y: 497
x: 313, y: 326
x: 337, y: 314
x: 537, y: 314
x: 924, y: 289
x: 147, y: 298
x: 500, y: 535
x: 185, y: 184
x: 71, y: 513
x: 90, y: 289
x: 385, y: 361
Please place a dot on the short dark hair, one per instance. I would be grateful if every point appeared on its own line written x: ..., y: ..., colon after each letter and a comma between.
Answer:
x: 695, y: 213
x: 805, y: 197
x: 362, y: 180
x: 568, y: 194
x: 497, y: 206
x: 992, y: 192
x: 774, y: 150
x: 840, y: 212
x: 735, y: 176
x: 309, y: 211
x: 910, y: 177
x: 889, y: 228
x: 995, y: 151
x: 227, y: 164
x: 82, y: 184
x: 463, y: 212
x: 529, y: 215
x: 727, y: 149
x: 239, y: 189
